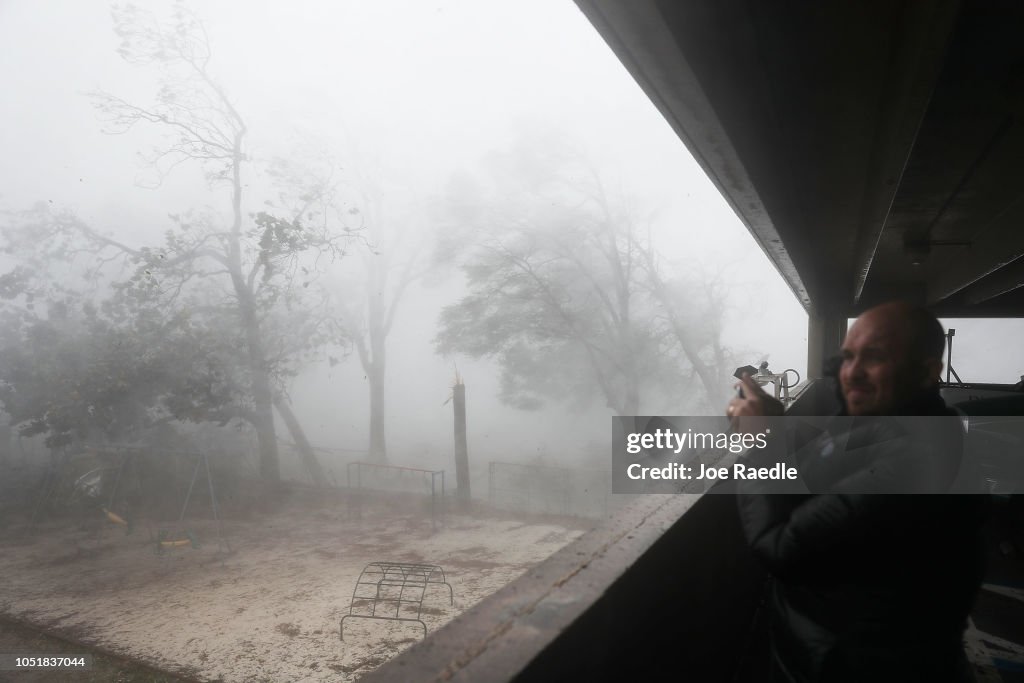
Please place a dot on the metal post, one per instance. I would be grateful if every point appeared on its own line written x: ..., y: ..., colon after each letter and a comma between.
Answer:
x: 221, y: 541
x: 195, y: 473
x: 949, y: 352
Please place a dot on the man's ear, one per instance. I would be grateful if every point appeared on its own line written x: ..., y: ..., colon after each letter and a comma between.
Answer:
x: 932, y: 368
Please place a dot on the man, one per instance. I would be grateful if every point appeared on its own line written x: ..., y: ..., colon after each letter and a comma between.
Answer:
x: 870, y: 586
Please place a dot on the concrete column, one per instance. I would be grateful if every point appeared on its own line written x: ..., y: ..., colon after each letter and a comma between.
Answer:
x: 825, y: 335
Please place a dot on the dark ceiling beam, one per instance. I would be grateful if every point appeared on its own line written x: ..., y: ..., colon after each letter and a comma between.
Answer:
x: 853, y: 139
x: 997, y: 283
x: 915, y: 63
x: 637, y: 32
x: 994, y: 247
x: 1007, y: 305
x: 924, y: 235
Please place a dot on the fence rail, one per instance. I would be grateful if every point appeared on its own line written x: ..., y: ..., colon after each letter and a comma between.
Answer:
x: 363, y: 476
x: 548, y: 489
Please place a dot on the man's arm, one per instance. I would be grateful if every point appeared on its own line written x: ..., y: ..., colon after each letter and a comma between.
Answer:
x: 788, y: 532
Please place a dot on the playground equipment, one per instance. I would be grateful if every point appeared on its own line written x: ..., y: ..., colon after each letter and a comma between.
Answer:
x: 110, y: 490
x: 128, y: 461
x: 165, y: 540
x: 362, y: 476
x: 101, y: 489
x: 179, y: 536
x: 118, y: 519
x: 396, y: 589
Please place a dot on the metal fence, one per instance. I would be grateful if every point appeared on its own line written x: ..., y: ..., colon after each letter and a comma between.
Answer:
x: 549, y: 490
x: 363, y: 477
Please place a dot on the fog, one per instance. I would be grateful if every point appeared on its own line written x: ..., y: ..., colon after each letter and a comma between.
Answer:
x: 400, y: 95
x: 275, y: 260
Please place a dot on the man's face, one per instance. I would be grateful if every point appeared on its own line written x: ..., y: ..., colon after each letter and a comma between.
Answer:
x: 876, y: 375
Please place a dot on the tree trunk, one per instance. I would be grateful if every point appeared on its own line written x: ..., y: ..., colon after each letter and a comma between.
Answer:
x: 377, y: 366
x: 266, y: 435
x: 309, y: 459
x: 714, y: 393
x: 263, y: 398
x: 378, y: 443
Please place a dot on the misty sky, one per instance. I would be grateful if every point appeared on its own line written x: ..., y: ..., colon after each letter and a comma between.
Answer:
x: 410, y: 92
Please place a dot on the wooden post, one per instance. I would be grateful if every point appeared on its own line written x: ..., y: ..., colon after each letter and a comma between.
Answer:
x: 461, y: 449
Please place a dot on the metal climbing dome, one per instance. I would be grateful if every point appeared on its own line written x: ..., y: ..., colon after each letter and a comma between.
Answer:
x: 394, y: 591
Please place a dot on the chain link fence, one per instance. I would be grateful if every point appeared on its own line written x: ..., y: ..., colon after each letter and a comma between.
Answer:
x: 549, y: 490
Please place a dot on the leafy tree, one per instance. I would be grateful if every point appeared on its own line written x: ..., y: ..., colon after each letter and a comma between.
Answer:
x: 110, y: 361
x: 247, y: 269
x: 556, y: 286
x: 72, y: 372
x: 565, y: 291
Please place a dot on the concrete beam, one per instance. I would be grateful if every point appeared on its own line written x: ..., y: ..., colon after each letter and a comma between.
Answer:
x: 915, y: 63
x: 997, y: 246
x: 667, y: 585
x: 1002, y: 281
x: 641, y: 37
x: 825, y: 334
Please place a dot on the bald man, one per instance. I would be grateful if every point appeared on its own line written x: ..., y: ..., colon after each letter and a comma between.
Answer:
x: 891, y: 365
x: 870, y: 586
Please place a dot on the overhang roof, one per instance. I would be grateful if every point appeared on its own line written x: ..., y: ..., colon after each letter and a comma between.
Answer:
x: 875, y: 149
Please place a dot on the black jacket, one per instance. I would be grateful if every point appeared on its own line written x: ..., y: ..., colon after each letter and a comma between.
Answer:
x: 869, y: 586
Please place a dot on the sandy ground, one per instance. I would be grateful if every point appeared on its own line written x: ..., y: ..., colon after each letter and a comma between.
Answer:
x: 268, y: 608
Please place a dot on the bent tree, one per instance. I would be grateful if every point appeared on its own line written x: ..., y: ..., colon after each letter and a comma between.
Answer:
x: 74, y: 371
x: 566, y: 293
x: 555, y: 286
x: 255, y: 260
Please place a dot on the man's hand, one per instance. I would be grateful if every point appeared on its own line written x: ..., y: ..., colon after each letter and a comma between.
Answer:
x: 755, y: 403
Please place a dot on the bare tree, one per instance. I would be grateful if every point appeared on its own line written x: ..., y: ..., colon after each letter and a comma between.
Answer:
x: 692, y: 310
x: 391, y: 263
x: 258, y: 261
